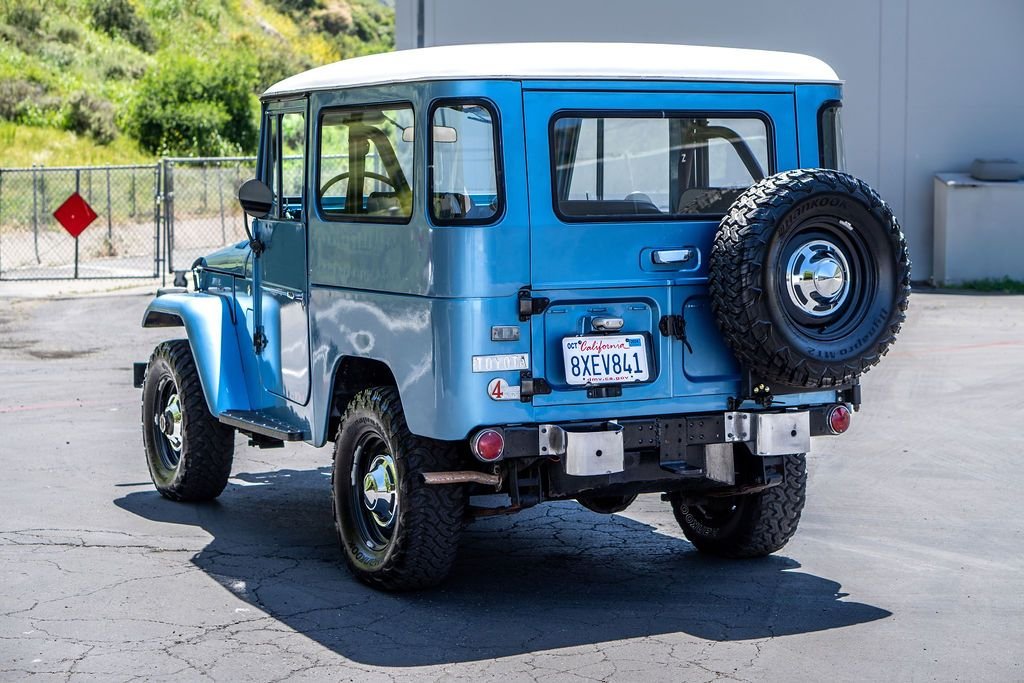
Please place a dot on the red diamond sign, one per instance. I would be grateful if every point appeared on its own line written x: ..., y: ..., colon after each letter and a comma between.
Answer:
x: 75, y: 214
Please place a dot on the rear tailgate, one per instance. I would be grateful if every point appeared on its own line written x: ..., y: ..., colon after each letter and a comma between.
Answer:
x: 618, y: 258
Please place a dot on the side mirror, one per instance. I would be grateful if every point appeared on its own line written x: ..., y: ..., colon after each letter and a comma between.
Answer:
x: 256, y: 198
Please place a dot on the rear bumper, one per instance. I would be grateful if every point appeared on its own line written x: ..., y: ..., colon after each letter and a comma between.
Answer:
x: 673, y: 435
x: 722, y: 451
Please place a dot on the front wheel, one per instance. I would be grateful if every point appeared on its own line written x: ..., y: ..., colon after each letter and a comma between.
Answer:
x: 396, y: 532
x: 189, y: 452
x: 750, y: 525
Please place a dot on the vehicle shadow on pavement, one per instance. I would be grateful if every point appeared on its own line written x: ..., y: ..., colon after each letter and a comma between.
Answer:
x: 552, y: 577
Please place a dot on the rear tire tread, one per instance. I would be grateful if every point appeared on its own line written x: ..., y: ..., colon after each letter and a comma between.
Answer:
x: 768, y: 518
x: 430, y: 518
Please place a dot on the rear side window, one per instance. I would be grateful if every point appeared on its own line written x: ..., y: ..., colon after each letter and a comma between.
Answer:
x: 464, y: 164
x: 830, y: 138
x: 365, y: 165
x: 655, y: 166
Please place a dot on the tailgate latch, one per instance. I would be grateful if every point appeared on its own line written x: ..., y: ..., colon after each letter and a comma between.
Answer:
x: 674, y: 326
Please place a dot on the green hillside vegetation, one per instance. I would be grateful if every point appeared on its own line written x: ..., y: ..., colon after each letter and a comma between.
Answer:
x: 122, y: 81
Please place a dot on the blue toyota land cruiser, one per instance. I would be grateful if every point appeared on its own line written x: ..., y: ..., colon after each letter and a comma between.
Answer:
x: 499, y: 275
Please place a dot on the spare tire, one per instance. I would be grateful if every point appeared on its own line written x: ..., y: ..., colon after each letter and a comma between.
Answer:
x: 809, y: 278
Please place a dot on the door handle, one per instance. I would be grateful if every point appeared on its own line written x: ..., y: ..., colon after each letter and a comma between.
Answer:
x: 607, y: 324
x: 662, y: 256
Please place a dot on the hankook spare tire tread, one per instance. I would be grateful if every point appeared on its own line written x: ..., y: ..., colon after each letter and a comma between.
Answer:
x: 747, y: 306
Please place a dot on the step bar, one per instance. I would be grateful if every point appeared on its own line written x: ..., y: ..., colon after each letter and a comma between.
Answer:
x: 261, y: 423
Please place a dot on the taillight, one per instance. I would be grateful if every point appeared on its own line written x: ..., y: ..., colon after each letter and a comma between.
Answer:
x: 487, y: 445
x: 839, y: 419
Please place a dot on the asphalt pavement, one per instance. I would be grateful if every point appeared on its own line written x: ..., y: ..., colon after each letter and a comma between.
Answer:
x: 908, y: 564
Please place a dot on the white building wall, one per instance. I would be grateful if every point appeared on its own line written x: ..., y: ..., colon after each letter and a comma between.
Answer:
x: 930, y: 84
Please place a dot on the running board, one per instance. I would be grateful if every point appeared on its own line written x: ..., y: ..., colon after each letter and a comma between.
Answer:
x: 261, y: 423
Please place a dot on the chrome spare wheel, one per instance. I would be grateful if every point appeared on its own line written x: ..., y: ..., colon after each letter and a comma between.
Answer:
x: 818, y: 278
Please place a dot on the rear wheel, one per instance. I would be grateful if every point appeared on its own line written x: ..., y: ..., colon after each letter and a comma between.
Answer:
x: 605, y: 505
x: 189, y: 452
x: 396, y: 532
x: 751, y: 525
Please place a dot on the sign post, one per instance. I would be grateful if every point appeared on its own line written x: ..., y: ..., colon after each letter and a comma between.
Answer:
x: 75, y: 215
x: 78, y: 179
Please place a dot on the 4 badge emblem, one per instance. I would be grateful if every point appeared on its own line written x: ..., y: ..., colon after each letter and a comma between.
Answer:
x: 500, y: 390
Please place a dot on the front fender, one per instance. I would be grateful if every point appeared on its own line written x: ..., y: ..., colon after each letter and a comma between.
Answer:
x: 211, y: 334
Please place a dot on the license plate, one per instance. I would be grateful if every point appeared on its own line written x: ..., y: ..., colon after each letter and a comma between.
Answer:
x: 617, y: 359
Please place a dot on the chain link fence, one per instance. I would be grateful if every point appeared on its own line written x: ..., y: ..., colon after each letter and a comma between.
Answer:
x: 123, y: 241
x: 202, y: 212
x: 152, y: 219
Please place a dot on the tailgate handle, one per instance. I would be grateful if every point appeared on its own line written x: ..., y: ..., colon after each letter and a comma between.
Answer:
x: 660, y: 256
x: 607, y: 324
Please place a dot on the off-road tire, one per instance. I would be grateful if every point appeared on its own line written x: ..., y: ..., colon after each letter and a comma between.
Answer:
x: 767, y: 331
x: 606, y: 505
x: 207, y: 446
x: 757, y: 525
x: 424, y: 540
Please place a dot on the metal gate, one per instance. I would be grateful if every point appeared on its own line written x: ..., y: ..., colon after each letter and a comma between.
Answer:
x: 200, y: 206
x: 122, y: 242
x: 152, y: 219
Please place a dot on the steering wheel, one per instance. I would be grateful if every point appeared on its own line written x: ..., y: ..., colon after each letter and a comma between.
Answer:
x: 366, y: 174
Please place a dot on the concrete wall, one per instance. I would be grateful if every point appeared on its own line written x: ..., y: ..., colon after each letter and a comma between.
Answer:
x: 930, y: 84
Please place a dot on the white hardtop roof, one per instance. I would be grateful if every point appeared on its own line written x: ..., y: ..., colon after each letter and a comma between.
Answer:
x: 563, y: 61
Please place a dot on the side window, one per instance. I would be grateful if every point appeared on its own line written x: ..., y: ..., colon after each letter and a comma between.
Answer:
x: 830, y: 138
x: 365, y: 163
x: 293, y: 152
x: 285, y: 163
x: 655, y: 166
x: 464, y: 164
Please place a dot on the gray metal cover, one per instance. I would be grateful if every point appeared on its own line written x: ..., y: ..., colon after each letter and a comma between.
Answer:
x: 782, y: 433
x: 594, y: 453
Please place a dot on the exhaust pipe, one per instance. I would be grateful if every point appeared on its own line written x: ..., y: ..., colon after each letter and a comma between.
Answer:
x: 462, y: 477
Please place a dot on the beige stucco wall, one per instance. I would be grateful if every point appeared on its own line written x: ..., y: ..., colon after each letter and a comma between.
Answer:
x: 930, y: 84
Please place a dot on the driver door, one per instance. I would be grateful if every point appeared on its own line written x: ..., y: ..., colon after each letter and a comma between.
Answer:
x: 284, y: 360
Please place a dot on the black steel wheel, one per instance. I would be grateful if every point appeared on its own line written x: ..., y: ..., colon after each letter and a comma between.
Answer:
x: 748, y: 525
x: 809, y: 278
x: 373, y: 495
x: 189, y: 452
x: 396, y: 532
